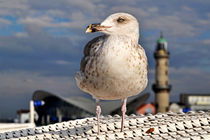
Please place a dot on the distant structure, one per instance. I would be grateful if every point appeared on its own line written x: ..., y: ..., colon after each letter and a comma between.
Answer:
x: 161, y: 87
x: 58, y: 109
x: 146, y: 109
x: 195, y: 102
x: 23, y: 116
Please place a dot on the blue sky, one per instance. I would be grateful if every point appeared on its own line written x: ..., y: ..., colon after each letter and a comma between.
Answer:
x: 41, y: 44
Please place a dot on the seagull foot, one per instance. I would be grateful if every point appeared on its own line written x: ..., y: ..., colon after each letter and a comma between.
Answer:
x: 98, y: 112
x: 123, y: 109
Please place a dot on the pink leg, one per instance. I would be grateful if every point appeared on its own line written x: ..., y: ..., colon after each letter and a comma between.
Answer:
x: 98, y: 112
x: 123, y: 109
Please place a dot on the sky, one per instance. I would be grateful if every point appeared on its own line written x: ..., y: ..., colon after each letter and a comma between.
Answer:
x: 41, y: 44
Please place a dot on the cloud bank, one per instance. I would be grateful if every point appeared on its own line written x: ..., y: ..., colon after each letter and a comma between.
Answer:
x: 41, y: 44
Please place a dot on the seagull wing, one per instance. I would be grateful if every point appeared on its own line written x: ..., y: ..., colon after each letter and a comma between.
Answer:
x: 89, y: 50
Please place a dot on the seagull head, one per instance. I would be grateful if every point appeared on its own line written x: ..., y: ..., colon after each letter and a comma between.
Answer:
x: 117, y: 24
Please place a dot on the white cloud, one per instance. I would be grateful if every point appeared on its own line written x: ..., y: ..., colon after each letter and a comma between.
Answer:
x: 17, y: 83
x: 4, y: 21
x: 43, y: 20
x: 56, y: 12
x: 14, y: 7
x: 13, y: 4
x: 186, y: 8
x: 78, y: 20
x: 208, y: 15
x: 182, y: 22
x: 207, y: 42
x: 62, y: 62
x: 86, y: 5
x: 21, y: 34
x: 139, y: 12
x: 189, y: 80
x: 153, y: 9
x: 171, y: 24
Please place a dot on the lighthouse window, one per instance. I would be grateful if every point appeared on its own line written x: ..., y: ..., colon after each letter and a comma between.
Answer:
x: 157, y: 64
x: 166, y: 63
x: 160, y: 47
x: 166, y: 72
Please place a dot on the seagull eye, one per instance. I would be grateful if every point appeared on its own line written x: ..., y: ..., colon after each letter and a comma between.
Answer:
x: 120, y: 20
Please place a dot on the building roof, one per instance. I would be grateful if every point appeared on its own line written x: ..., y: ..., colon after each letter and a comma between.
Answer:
x: 195, y: 94
x: 89, y: 105
x: 23, y: 111
x: 192, y: 125
x: 195, y: 100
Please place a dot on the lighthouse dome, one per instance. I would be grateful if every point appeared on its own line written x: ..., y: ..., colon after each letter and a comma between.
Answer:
x: 161, y: 44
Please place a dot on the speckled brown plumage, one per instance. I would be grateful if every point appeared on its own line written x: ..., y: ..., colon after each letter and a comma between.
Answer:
x: 114, y: 66
x: 89, y: 51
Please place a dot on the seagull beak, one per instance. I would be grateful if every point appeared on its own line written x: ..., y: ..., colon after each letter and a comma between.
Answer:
x: 95, y: 28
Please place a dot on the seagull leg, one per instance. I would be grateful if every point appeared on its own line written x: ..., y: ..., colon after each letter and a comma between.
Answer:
x: 98, y: 112
x: 123, y: 109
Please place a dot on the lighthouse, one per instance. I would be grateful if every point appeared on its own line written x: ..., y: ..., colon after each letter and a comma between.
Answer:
x: 161, y: 86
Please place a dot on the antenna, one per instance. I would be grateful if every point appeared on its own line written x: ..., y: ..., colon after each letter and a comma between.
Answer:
x: 161, y: 34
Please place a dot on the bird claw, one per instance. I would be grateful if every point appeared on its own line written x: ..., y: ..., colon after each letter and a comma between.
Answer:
x: 98, y: 112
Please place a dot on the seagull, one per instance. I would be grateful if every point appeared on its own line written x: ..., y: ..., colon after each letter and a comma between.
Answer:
x: 114, y: 65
